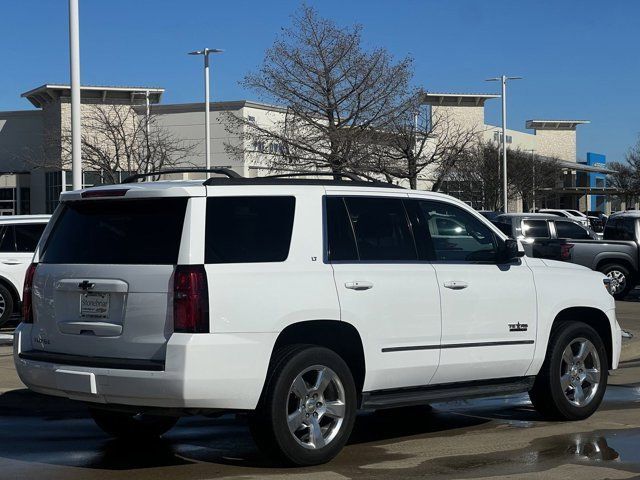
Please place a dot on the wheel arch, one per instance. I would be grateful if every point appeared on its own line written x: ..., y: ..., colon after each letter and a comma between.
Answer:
x: 595, y: 318
x: 341, y: 337
x: 621, y: 260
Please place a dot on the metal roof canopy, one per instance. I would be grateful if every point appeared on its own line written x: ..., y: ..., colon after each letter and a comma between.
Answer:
x: 453, y: 99
x: 581, y: 167
x: 555, y: 124
x: 54, y: 92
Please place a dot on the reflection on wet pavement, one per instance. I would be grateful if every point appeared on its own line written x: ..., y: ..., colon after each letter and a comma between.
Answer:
x: 40, y: 430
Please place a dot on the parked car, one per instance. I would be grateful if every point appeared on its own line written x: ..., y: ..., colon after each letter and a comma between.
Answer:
x: 623, y: 228
x: 616, y: 259
x: 299, y: 302
x: 574, y: 215
x: 19, y: 235
x: 489, y: 214
x: 523, y: 227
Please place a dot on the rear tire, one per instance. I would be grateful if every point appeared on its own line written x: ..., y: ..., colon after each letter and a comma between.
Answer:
x: 621, y: 281
x: 6, y: 305
x: 131, y: 426
x: 308, y: 407
x: 573, y: 377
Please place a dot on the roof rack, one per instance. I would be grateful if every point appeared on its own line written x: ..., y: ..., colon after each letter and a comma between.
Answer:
x: 351, y: 176
x: 220, y: 171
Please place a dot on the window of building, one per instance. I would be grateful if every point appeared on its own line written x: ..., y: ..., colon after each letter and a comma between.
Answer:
x: 381, y: 229
x: 248, y: 229
x: 535, y: 229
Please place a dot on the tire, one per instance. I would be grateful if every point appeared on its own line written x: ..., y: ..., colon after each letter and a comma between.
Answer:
x: 621, y: 279
x: 130, y: 426
x: 6, y: 305
x: 555, y: 392
x: 291, y: 392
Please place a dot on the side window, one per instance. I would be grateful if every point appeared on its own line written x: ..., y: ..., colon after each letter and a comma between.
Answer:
x: 611, y: 229
x: 381, y: 229
x: 571, y: 230
x: 28, y: 236
x: 248, y: 229
x: 535, y: 228
x: 342, y: 243
x: 457, y: 235
x: 627, y: 228
x: 7, y: 242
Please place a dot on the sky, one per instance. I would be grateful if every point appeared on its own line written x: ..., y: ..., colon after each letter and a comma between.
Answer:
x: 580, y: 59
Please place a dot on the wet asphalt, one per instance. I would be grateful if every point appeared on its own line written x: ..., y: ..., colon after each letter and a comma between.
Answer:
x: 51, y: 438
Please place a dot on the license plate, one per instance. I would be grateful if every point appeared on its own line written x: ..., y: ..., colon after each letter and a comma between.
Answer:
x: 94, y: 305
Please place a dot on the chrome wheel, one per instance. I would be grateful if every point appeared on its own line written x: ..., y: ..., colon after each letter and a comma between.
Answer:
x: 618, y: 281
x: 316, y: 407
x: 580, y: 372
x: 3, y: 305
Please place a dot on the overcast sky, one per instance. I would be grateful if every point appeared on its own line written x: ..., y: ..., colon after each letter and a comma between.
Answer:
x: 580, y: 59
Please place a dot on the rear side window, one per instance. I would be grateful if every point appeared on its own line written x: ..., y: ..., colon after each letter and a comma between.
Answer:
x: 28, y: 236
x: 381, y: 228
x: 248, y: 229
x: 136, y: 232
x: 7, y: 239
x: 571, y: 230
x: 342, y: 243
x: 536, y: 228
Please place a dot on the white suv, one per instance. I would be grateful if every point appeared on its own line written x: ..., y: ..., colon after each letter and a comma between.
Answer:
x: 19, y: 236
x: 299, y: 302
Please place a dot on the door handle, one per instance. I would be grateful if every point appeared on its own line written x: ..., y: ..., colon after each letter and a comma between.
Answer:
x: 11, y: 262
x: 358, y: 285
x: 456, y: 285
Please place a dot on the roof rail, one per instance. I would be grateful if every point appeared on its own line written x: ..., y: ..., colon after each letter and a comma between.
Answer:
x: 350, y: 176
x: 220, y: 171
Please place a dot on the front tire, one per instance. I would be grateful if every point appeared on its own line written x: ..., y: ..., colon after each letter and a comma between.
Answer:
x: 573, y: 377
x: 308, y: 407
x: 6, y: 305
x: 621, y: 281
x: 131, y: 426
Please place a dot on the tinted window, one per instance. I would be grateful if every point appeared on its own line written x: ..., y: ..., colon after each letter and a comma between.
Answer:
x: 248, y: 229
x: 535, y: 228
x: 627, y: 228
x: 571, y: 230
x: 7, y: 242
x: 27, y: 236
x: 381, y: 229
x: 117, y: 232
x: 504, y: 228
x: 342, y: 243
x: 457, y: 235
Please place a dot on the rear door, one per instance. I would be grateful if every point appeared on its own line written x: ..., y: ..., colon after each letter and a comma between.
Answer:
x: 103, y: 285
x: 385, y: 289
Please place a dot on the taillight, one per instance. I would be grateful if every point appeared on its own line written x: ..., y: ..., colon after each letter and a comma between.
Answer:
x: 565, y: 251
x: 190, y: 300
x: 27, y: 300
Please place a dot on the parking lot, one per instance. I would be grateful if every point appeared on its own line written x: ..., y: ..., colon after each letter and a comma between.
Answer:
x: 53, y: 438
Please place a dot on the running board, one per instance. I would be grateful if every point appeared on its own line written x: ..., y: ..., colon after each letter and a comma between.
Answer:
x: 411, y: 396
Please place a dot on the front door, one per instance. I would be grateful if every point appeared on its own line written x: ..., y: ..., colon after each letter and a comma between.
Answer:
x: 488, y: 308
x: 384, y: 290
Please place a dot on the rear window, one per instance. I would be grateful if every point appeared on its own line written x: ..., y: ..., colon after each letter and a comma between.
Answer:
x: 535, y: 228
x: 138, y: 232
x: 248, y: 229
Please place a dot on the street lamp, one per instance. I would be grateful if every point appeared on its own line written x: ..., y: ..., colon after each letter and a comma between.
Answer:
x: 504, y: 79
x: 207, y: 125
x: 74, y: 53
x: 533, y: 179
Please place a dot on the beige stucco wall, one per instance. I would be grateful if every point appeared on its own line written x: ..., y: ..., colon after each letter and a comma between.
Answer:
x: 556, y: 143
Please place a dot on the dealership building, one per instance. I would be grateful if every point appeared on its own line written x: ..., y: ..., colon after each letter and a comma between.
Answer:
x: 34, y: 159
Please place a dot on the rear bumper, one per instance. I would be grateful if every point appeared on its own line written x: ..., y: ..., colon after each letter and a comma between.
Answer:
x: 201, y: 371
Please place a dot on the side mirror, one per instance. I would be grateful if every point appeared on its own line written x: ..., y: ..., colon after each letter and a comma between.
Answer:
x: 511, y: 250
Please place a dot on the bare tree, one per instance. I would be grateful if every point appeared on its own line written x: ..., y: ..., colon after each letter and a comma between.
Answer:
x: 625, y: 181
x: 115, y: 139
x: 419, y: 143
x: 335, y: 95
x: 481, y: 176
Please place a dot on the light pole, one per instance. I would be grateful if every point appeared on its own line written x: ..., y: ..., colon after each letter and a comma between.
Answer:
x: 533, y: 180
x: 504, y: 79
x: 207, y: 124
x: 76, y: 139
